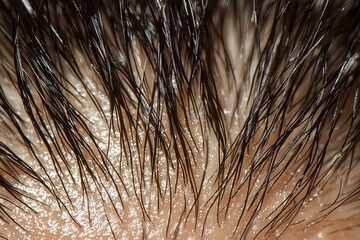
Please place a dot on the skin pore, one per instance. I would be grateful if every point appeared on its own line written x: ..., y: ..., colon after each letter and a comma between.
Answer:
x: 181, y: 120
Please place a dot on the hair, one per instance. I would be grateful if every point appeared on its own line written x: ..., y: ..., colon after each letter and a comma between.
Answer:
x: 275, y: 83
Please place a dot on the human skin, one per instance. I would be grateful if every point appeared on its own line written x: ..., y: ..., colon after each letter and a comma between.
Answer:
x: 153, y: 121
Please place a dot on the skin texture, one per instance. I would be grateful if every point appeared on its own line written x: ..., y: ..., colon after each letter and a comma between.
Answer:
x: 190, y: 120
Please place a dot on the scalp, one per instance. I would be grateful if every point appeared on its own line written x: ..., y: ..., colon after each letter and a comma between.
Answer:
x: 182, y: 120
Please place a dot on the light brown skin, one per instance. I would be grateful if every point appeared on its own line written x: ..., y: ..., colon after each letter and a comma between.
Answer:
x: 51, y: 222
x: 131, y: 205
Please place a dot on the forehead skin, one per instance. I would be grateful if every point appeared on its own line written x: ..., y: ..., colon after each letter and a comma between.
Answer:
x: 151, y: 170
